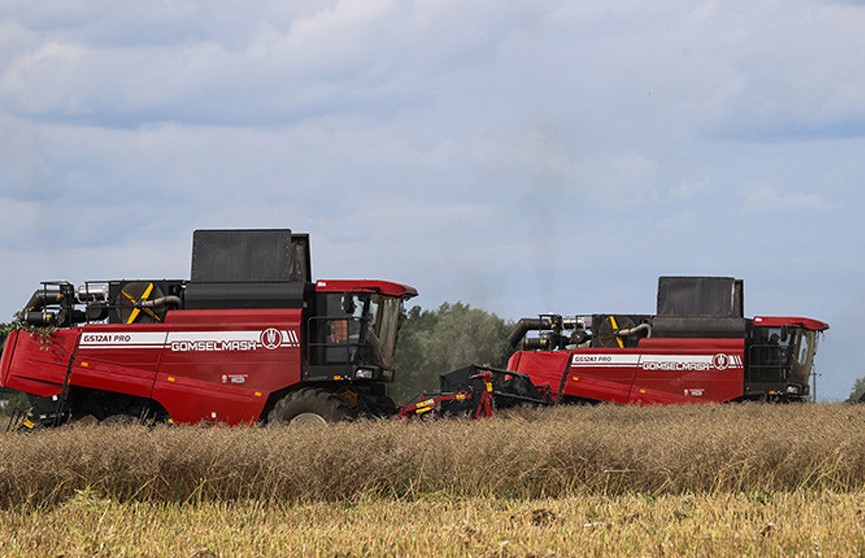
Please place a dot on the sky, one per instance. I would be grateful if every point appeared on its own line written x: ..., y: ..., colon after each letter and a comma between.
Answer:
x: 522, y: 156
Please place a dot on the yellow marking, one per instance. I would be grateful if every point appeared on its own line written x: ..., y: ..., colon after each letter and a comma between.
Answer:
x: 424, y: 410
x: 170, y: 421
x: 171, y: 378
x: 152, y: 314
x: 616, y: 327
x: 29, y: 424
x: 136, y: 311
x: 426, y: 403
x: 490, y: 387
x: 460, y: 396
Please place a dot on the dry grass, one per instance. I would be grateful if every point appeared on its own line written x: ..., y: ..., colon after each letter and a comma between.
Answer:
x: 575, y: 451
x: 592, y: 481
x: 798, y: 524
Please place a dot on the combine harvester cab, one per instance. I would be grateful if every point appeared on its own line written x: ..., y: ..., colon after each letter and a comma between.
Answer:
x: 249, y: 338
x: 699, y: 347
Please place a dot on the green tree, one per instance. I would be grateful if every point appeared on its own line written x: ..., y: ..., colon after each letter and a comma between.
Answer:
x: 433, y: 342
x: 858, y: 389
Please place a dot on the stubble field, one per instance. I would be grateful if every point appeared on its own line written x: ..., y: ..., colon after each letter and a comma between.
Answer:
x: 653, y: 481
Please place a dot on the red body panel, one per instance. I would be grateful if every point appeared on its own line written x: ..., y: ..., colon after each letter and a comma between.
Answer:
x: 195, y: 383
x: 790, y: 321
x: 658, y: 371
x: 199, y: 365
x: 365, y: 286
x: 31, y: 366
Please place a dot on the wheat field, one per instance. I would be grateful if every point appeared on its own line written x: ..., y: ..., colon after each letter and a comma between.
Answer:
x: 781, y: 524
x: 604, y: 480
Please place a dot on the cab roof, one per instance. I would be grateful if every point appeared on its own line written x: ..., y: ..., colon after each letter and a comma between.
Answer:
x: 386, y: 288
x: 790, y: 321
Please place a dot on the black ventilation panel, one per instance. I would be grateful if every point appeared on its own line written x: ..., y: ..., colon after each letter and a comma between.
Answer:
x: 716, y: 297
x: 250, y: 256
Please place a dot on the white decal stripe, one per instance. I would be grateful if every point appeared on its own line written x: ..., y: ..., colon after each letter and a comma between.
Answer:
x: 214, y: 336
x: 159, y: 340
x: 696, y: 359
x: 121, y: 340
x: 115, y: 346
x: 612, y: 360
x: 604, y: 360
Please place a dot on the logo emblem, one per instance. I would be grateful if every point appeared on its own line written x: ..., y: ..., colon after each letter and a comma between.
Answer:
x: 271, y: 338
x: 721, y: 361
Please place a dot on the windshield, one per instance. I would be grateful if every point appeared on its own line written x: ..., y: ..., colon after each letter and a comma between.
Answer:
x: 803, y: 356
x: 357, y: 328
x: 782, y: 354
x: 383, y: 320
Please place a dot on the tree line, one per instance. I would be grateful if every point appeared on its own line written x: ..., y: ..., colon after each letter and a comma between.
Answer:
x: 433, y: 342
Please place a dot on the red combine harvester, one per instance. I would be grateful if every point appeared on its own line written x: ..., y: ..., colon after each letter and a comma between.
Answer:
x: 698, y: 347
x: 249, y: 338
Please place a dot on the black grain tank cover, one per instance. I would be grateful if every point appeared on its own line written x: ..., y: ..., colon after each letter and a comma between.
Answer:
x: 716, y: 297
x: 700, y: 307
x: 250, y: 268
x: 252, y: 255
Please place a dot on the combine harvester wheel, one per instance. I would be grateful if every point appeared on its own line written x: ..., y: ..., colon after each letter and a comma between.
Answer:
x: 309, y: 407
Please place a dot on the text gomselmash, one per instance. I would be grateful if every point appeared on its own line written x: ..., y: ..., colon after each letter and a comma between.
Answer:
x: 702, y: 363
x: 189, y: 346
x: 675, y: 366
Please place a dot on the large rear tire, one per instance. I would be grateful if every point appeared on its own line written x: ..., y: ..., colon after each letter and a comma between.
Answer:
x: 309, y: 407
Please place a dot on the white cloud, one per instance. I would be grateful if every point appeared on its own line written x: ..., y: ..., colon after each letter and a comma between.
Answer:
x: 768, y: 198
x: 678, y: 222
x: 687, y: 189
x: 798, y: 72
x: 620, y: 181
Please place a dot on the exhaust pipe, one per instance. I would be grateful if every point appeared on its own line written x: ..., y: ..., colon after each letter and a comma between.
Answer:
x: 170, y: 300
x: 42, y: 298
x: 636, y: 330
x: 526, y: 325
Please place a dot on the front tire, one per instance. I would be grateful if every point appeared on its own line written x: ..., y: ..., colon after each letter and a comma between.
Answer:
x: 309, y: 407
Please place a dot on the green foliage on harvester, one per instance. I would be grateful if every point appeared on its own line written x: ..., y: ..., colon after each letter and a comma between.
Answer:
x: 18, y: 324
x: 433, y: 342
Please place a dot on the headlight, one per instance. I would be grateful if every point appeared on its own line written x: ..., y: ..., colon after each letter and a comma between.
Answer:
x: 363, y: 374
x: 793, y: 390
